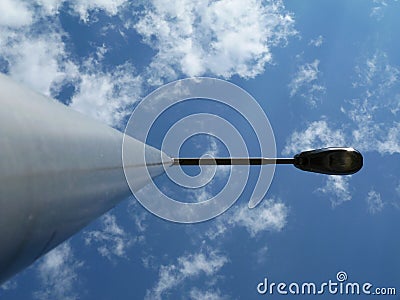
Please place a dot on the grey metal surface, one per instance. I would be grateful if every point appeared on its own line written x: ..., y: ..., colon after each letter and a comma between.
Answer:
x: 58, y: 171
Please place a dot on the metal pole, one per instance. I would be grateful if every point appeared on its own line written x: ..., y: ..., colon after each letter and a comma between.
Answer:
x: 232, y: 161
x: 59, y: 170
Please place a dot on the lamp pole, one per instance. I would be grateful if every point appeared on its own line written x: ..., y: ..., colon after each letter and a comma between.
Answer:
x: 232, y: 161
x: 330, y: 161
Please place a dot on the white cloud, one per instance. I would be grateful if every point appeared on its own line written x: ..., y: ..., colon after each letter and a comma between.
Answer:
x: 377, y: 10
x: 317, y: 42
x: 374, y: 202
x: 14, y: 13
x: 112, y: 240
x: 377, y: 75
x: 337, y: 188
x: 138, y: 214
x: 38, y: 61
x: 374, y: 130
x: 189, y: 266
x: 106, y: 96
x: 369, y: 125
x: 84, y: 7
x: 366, y: 128
x: 9, y: 285
x: 367, y: 136
x: 223, y: 38
x: 206, y: 192
x: 103, y: 95
x: 396, y: 202
x: 214, y: 151
x: 306, y: 83
x: 58, y: 274
x: 48, y: 7
x: 200, y: 194
x: 391, y: 143
x: 197, y: 294
x: 370, y: 133
x: 380, y: 8
x: 270, y: 215
x: 37, y: 56
x: 17, y: 13
x: 189, y: 37
x: 318, y: 134
x: 149, y: 262
x: 261, y: 255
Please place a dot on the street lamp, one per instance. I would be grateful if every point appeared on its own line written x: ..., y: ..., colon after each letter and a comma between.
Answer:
x: 330, y: 161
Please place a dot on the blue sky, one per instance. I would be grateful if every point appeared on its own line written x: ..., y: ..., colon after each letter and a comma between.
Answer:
x: 326, y: 73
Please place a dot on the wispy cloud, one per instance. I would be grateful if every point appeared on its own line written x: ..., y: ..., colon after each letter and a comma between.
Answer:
x: 207, y: 192
x: 337, y: 189
x: 9, y: 285
x: 369, y: 133
x: 317, y: 42
x: 369, y: 125
x: 190, y: 266
x: 270, y: 215
x: 306, y: 83
x: 139, y: 215
x: 318, y: 134
x: 112, y: 241
x: 380, y: 8
x: 222, y: 38
x: 83, y: 8
x: 261, y: 254
x: 396, y: 202
x: 376, y: 75
x: 214, y: 151
x: 375, y: 127
x: 58, y: 273
x: 398, y: 189
x: 391, y: 142
x: 374, y: 202
x: 197, y: 294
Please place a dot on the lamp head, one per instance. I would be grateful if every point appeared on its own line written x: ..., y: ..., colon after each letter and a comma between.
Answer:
x: 331, y: 161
